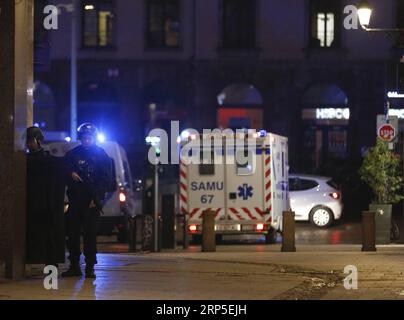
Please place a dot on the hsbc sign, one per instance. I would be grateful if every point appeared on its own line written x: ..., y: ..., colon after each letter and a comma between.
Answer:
x: 333, y: 113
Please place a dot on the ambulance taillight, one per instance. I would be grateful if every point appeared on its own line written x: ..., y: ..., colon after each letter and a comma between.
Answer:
x: 122, y: 197
x: 260, y: 227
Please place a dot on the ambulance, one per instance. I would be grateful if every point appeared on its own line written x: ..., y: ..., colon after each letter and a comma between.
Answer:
x: 247, y: 197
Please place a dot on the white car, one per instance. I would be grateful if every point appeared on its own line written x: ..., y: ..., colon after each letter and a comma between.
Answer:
x: 315, y: 199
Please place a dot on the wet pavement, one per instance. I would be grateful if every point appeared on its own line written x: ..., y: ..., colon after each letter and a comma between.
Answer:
x: 239, y: 270
x: 234, y: 272
x: 127, y: 277
x: 341, y: 233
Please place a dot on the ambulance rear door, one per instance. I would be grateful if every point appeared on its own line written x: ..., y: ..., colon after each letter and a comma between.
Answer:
x: 244, y: 180
x: 206, y: 185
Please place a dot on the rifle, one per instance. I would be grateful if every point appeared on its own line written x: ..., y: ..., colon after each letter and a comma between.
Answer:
x: 90, y: 185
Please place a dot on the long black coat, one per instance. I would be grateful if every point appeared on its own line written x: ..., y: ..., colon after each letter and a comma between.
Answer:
x: 45, y: 214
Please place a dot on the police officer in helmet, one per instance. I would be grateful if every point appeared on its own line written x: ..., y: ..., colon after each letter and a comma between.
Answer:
x: 34, y: 138
x: 45, y: 200
x: 89, y: 174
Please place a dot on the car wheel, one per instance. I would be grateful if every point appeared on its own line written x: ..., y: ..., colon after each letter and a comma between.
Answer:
x: 321, y: 217
x: 271, y: 236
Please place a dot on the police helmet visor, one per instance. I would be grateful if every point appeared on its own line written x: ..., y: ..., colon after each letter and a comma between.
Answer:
x: 87, y: 128
x: 34, y: 133
x: 32, y: 143
x: 87, y: 139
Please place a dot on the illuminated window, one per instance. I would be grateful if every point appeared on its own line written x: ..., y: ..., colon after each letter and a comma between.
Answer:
x: 324, y: 19
x: 163, y: 24
x: 98, y: 23
x: 239, y: 24
x: 325, y: 29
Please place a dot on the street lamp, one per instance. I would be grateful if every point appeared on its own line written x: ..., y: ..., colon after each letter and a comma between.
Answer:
x: 73, y: 8
x: 365, y: 11
x: 155, y: 143
x: 364, y: 14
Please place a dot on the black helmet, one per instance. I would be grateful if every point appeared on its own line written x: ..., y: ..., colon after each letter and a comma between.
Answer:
x: 35, y: 133
x: 87, y: 128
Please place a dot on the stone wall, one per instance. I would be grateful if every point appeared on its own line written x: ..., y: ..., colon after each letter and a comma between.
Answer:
x: 16, y: 47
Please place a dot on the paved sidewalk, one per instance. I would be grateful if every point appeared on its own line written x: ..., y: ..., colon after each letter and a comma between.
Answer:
x: 233, y: 272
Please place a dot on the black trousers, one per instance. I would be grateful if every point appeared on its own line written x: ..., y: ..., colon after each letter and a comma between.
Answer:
x: 82, y: 219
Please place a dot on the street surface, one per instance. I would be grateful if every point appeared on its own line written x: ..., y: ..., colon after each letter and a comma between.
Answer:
x: 233, y: 272
x: 306, y: 234
x: 236, y: 271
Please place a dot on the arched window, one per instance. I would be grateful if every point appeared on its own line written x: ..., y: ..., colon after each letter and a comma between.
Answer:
x: 325, y: 95
x: 240, y: 94
x: 240, y: 106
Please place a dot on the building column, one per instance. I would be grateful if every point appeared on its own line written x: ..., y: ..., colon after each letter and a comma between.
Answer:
x: 16, y: 88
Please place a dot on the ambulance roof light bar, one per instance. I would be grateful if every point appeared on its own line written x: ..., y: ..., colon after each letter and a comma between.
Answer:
x: 244, y: 134
x: 186, y: 135
x: 260, y: 134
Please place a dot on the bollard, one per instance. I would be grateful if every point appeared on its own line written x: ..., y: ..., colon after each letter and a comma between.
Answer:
x: 168, y: 234
x: 185, y: 241
x: 154, y: 244
x: 132, y: 233
x: 368, y: 231
x: 208, y: 231
x: 288, y: 234
x: 147, y: 233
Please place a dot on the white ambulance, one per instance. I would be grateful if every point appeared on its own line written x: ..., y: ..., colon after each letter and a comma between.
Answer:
x: 248, y: 197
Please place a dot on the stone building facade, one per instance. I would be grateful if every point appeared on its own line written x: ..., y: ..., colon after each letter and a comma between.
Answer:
x: 316, y: 82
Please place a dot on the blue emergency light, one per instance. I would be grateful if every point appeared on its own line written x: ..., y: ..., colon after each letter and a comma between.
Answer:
x: 263, y: 133
x: 101, y: 138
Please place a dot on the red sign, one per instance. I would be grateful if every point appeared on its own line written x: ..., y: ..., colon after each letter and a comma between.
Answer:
x: 387, y: 133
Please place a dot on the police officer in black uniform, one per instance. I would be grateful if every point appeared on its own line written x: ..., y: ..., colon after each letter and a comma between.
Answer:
x: 45, y: 201
x: 89, y: 171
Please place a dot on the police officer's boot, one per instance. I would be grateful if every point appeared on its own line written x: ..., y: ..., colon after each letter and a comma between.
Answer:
x: 90, y: 272
x: 73, y: 271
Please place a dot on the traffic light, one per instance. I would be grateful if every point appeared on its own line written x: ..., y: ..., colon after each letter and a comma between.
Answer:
x: 158, y: 151
x: 155, y: 143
